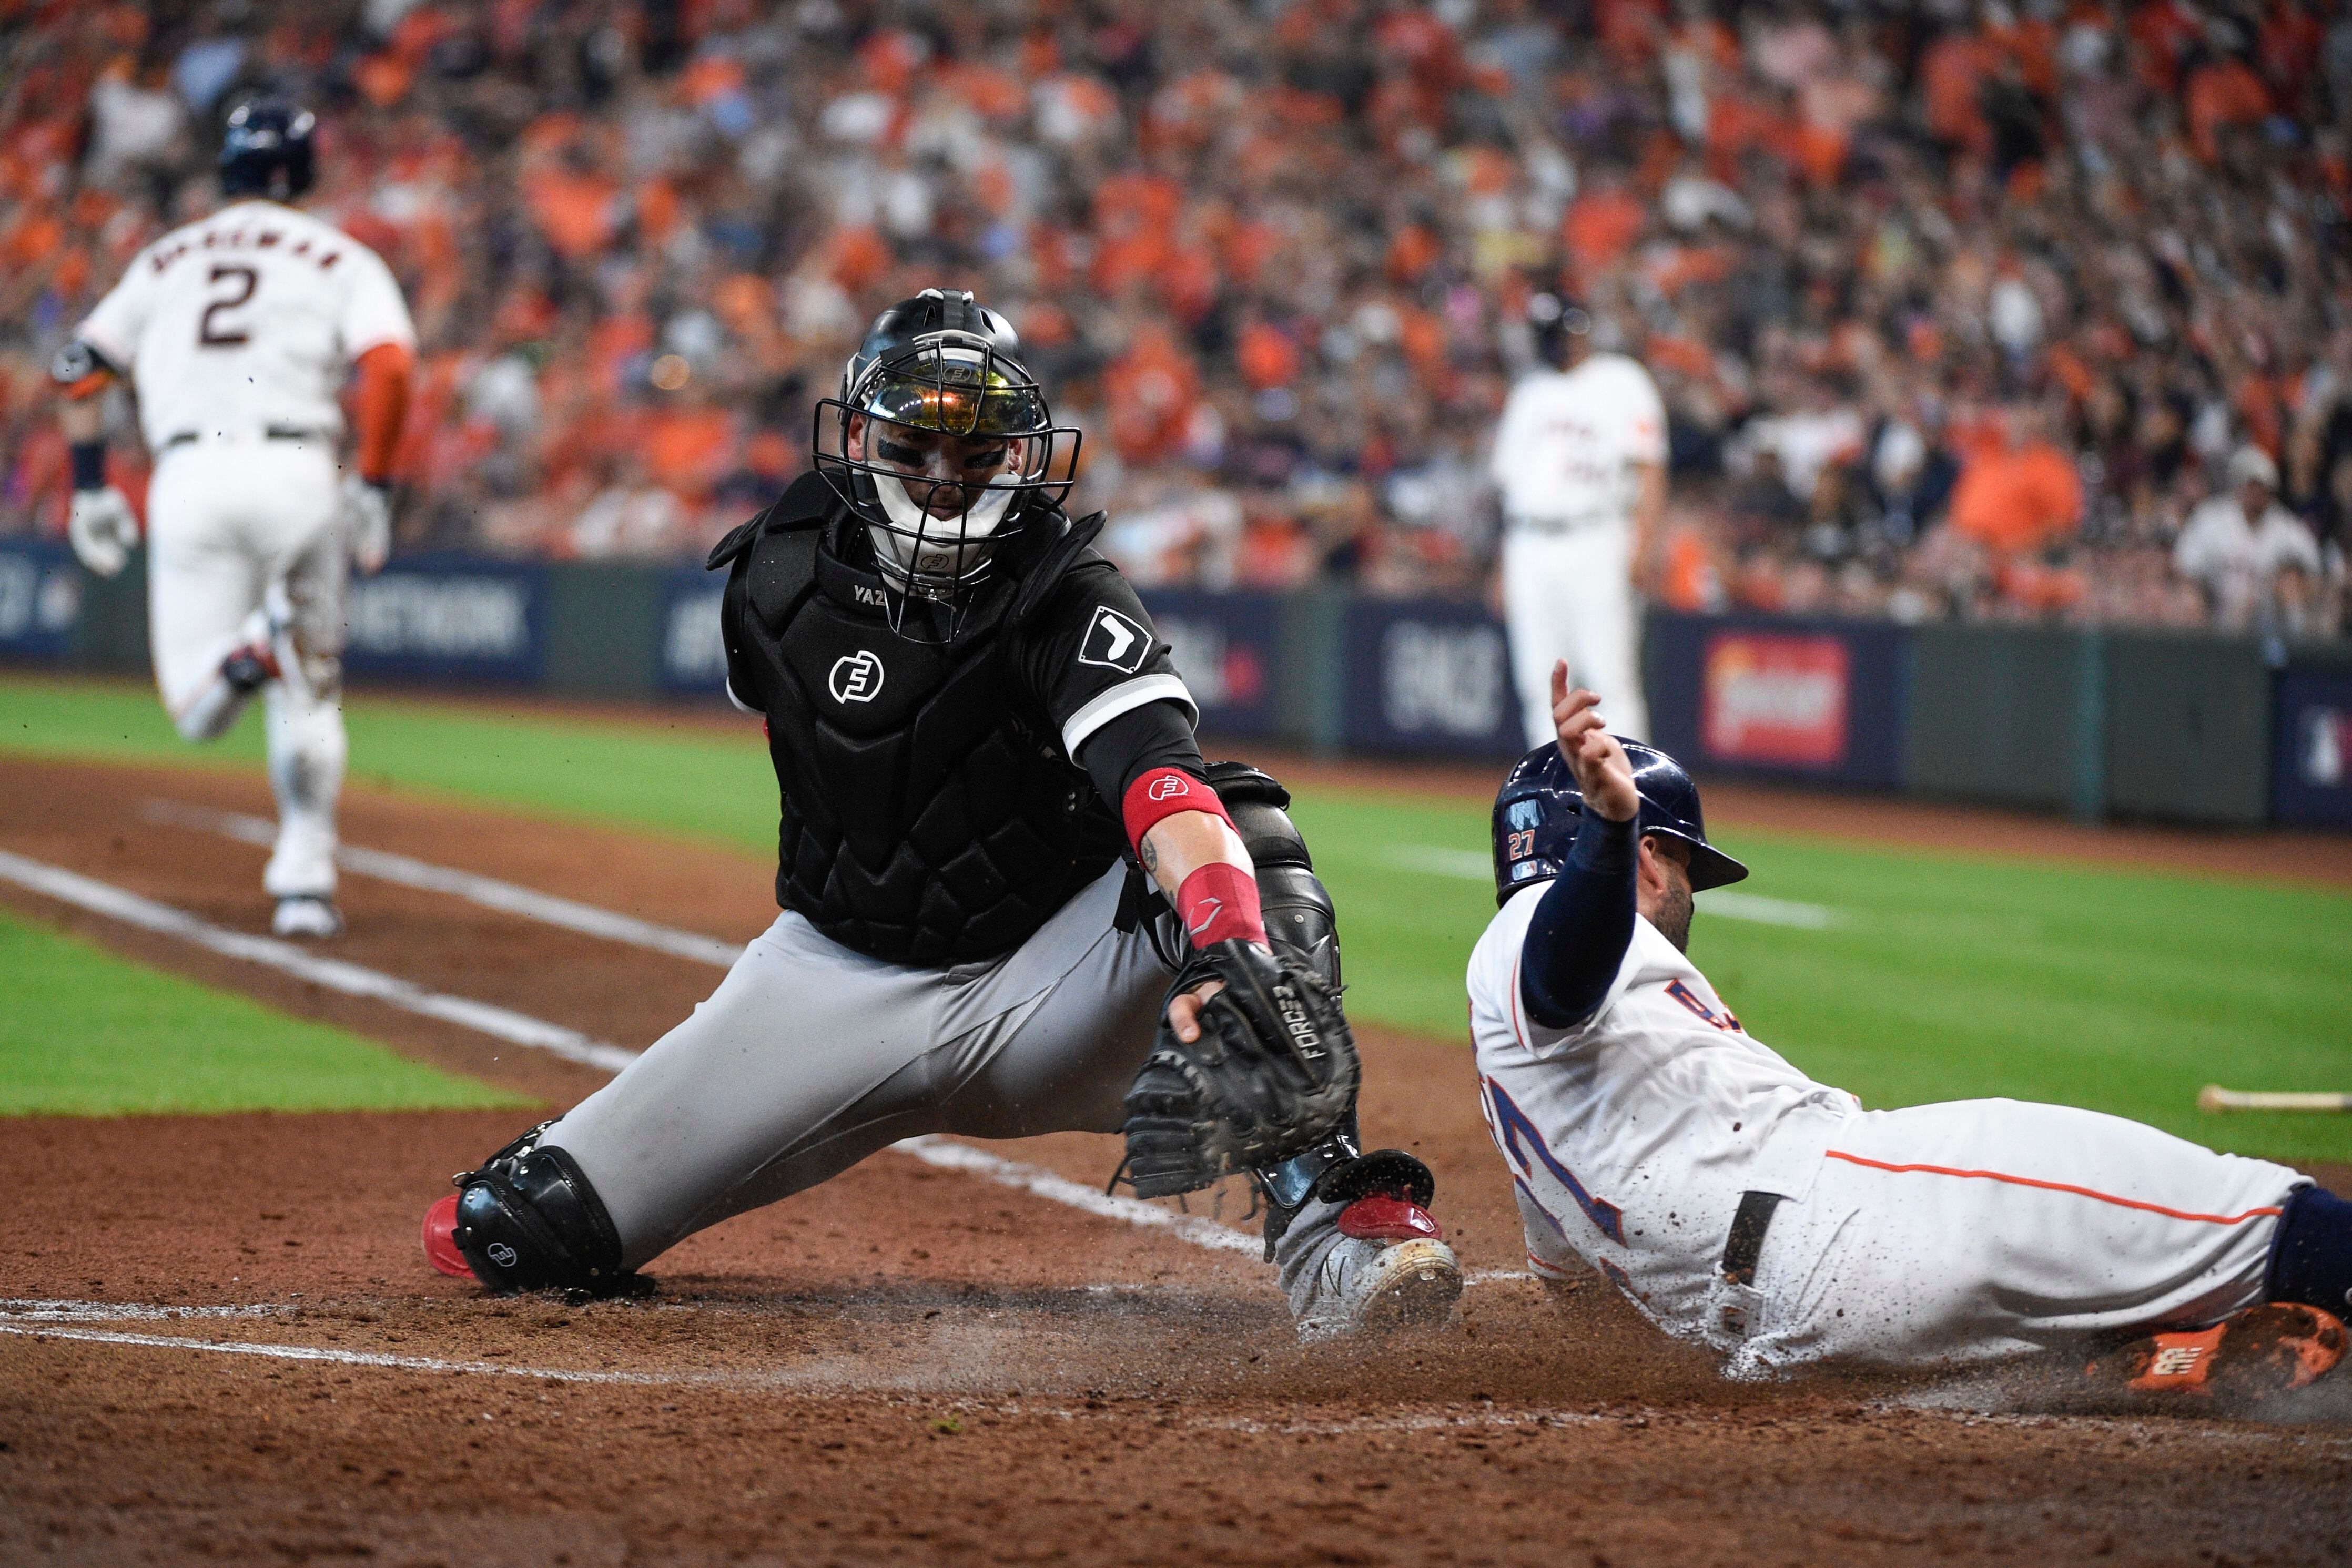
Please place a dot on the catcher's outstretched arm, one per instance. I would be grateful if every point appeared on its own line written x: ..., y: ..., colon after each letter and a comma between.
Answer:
x: 1147, y: 761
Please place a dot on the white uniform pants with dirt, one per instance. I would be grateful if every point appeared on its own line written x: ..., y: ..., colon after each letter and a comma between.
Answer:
x: 232, y: 525
x: 1983, y: 1228
x: 1570, y: 595
x: 810, y: 1056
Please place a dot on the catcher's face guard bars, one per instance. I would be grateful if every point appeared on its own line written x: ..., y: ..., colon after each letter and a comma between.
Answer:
x: 941, y: 450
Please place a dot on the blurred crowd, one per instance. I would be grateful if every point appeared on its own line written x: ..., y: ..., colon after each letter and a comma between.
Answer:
x: 1961, y: 308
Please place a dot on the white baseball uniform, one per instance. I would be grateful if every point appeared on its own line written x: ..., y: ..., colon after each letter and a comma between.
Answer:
x: 1564, y: 457
x: 1945, y: 1233
x: 238, y: 330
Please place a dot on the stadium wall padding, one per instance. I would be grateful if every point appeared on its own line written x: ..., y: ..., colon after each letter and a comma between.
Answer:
x: 2007, y: 714
x: 2175, y: 726
x: 2188, y: 721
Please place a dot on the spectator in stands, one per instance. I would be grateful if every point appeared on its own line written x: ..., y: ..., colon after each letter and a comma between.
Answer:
x: 2257, y: 564
x: 1275, y: 255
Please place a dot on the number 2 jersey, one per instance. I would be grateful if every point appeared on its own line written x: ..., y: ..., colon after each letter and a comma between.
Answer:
x: 1631, y: 1137
x: 247, y: 322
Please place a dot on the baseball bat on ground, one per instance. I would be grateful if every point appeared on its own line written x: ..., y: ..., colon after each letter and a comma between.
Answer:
x: 2213, y: 1098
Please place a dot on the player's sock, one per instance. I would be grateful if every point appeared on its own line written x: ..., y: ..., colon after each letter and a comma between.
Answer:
x: 2311, y: 1256
x: 307, y: 752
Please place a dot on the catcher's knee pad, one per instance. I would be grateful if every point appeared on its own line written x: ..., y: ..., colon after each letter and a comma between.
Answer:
x: 528, y: 1220
x: 1299, y: 919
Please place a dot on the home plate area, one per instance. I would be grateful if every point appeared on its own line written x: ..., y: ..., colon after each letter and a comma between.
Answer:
x: 218, y: 1339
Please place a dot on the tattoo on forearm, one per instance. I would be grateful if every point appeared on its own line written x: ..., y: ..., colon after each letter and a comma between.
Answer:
x: 1151, y: 856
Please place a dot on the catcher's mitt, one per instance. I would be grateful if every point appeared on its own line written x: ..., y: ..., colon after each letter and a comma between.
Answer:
x: 1274, y: 1072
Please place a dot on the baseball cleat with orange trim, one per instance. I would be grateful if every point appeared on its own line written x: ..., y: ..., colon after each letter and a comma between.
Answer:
x: 2261, y: 1352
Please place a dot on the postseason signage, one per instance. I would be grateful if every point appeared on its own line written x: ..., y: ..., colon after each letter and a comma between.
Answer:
x: 40, y: 600
x: 1226, y: 646
x: 692, y: 660
x: 450, y: 618
x: 2310, y: 746
x: 1430, y: 675
x: 1820, y: 700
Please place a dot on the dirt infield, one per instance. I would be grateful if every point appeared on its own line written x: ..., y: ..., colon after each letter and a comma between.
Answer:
x: 241, y: 1357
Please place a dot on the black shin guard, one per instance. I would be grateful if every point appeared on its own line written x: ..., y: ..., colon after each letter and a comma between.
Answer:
x: 1301, y: 924
x: 1300, y: 920
x: 528, y: 1220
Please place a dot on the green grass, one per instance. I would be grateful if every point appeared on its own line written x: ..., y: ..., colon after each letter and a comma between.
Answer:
x: 689, y: 780
x: 85, y: 1033
x: 1948, y: 976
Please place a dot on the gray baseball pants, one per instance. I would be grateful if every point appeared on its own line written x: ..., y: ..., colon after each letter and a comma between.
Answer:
x: 810, y: 1056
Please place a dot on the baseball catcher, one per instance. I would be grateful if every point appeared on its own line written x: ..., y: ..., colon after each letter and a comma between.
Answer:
x: 998, y: 841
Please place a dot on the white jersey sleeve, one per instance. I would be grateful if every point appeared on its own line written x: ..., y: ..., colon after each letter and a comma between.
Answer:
x: 374, y: 312
x: 1641, y: 412
x: 113, y: 328
x: 1510, y: 436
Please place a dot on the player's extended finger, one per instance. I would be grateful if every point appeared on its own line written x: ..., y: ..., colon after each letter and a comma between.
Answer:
x: 1558, y: 683
x: 1576, y: 713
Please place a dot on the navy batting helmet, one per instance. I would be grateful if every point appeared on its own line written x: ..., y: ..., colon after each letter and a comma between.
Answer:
x: 267, y: 151
x: 1538, y: 807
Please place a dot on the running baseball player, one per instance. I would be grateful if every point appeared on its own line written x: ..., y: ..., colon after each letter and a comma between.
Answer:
x: 1741, y: 1205
x: 238, y: 332
x: 1580, y: 459
x: 987, y: 765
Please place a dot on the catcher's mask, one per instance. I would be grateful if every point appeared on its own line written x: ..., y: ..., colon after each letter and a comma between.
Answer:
x: 942, y: 446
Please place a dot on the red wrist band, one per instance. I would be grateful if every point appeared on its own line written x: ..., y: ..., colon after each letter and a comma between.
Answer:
x: 1219, y: 902
x: 1162, y: 793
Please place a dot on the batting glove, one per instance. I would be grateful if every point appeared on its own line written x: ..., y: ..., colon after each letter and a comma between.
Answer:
x: 367, y: 523
x: 102, y: 529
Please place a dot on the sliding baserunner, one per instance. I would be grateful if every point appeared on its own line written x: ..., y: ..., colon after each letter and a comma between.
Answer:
x: 986, y: 762
x: 1743, y: 1205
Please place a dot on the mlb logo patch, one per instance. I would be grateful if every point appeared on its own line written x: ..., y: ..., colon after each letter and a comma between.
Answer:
x: 1114, y: 641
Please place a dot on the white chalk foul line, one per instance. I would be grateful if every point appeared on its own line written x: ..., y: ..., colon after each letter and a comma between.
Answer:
x: 1469, y: 865
x: 344, y: 1357
x: 949, y: 1155
x: 502, y: 1023
x: 506, y: 897
x: 20, y: 1310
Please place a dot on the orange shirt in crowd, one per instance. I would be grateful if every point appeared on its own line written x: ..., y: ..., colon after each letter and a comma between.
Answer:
x: 2222, y: 93
x: 2018, y: 499
x: 1599, y: 227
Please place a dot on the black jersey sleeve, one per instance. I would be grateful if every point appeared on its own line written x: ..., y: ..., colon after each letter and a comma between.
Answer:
x: 1088, y: 654
x: 1156, y: 735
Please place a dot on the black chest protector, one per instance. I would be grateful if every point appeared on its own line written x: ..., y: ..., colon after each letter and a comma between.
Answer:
x: 928, y: 815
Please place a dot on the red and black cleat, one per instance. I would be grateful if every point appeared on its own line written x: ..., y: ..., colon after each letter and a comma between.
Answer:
x: 2260, y: 1352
